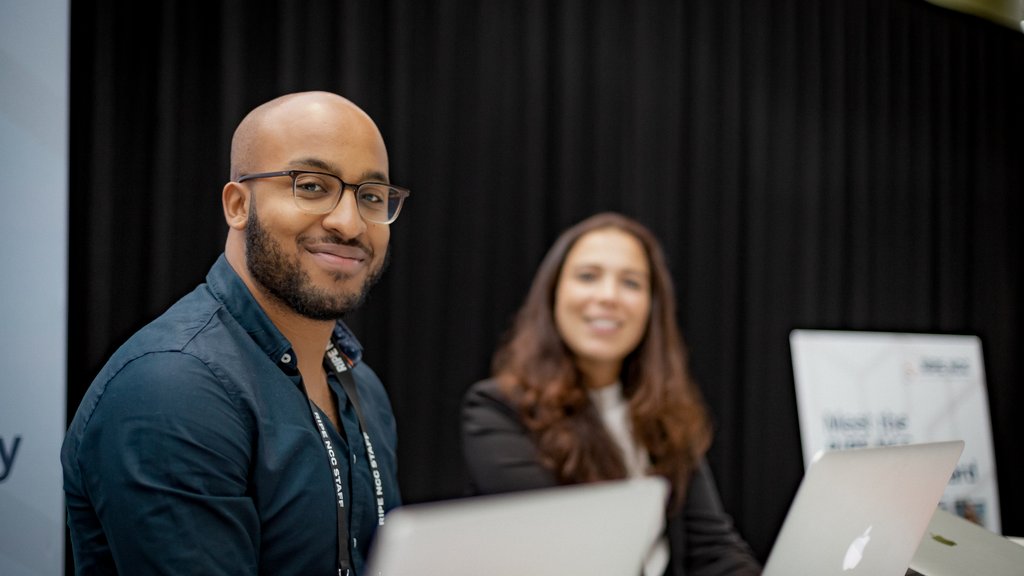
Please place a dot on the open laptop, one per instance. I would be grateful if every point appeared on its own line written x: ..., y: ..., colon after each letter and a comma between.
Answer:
x: 604, y: 528
x: 863, y: 511
x: 952, y: 546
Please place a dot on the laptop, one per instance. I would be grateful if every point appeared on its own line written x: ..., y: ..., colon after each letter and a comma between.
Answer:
x: 863, y: 511
x: 597, y: 529
x: 952, y: 546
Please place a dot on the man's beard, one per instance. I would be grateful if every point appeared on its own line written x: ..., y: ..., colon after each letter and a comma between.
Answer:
x: 284, y: 280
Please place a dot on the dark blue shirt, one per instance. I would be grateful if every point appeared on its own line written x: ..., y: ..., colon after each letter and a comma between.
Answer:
x: 194, y: 450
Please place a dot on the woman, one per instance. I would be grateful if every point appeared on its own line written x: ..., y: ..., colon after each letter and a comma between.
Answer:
x: 591, y: 384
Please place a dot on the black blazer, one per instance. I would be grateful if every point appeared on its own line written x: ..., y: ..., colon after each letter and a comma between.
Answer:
x: 501, y: 457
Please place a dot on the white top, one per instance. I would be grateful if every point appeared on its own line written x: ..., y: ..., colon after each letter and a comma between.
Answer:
x: 614, y: 412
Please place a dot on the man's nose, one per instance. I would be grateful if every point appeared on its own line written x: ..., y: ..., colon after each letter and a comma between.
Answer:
x: 345, y: 218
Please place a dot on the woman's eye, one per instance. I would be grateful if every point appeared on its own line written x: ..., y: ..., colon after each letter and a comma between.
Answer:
x: 635, y: 282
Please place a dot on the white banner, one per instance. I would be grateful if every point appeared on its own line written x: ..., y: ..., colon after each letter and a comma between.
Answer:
x: 859, y: 389
x: 33, y: 289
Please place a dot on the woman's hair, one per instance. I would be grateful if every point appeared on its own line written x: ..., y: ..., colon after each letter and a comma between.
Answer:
x: 538, y: 373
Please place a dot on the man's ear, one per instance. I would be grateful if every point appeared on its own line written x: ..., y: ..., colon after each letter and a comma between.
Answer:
x: 236, y: 198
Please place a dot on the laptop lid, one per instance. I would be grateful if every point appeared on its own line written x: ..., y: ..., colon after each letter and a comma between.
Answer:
x: 952, y: 546
x: 863, y: 511
x: 603, y: 528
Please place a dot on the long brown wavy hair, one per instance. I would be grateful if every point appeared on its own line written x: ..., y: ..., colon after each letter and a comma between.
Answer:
x: 538, y: 373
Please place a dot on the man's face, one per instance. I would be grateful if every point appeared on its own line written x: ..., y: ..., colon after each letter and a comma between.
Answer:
x: 318, y: 265
x: 286, y: 279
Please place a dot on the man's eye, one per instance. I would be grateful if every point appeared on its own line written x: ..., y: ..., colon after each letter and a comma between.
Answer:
x: 370, y: 198
x: 311, y: 187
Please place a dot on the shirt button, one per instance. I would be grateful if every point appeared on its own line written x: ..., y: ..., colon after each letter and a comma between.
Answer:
x: 353, y: 458
x: 286, y: 358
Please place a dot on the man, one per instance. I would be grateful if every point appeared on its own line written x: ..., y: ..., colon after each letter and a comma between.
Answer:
x: 222, y: 438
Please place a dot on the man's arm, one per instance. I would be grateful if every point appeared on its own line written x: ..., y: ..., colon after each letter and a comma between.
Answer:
x: 164, y: 462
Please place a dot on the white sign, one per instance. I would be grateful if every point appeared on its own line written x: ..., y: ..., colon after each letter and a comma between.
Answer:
x: 33, y: 286
x: 860, y: 389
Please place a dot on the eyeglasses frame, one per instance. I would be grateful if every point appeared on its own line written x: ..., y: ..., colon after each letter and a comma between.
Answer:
x: 403, y: 193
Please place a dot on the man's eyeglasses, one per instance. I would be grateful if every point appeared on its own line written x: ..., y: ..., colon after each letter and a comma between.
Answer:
x: 320, y: 192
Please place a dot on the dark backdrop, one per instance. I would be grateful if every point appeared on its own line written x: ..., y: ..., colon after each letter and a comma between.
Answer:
x: 807, y: 163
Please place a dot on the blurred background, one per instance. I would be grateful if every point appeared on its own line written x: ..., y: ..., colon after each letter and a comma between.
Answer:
x: 806, y: 164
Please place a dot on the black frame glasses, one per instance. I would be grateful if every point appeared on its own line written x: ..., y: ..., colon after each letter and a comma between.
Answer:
x: 320, y: 192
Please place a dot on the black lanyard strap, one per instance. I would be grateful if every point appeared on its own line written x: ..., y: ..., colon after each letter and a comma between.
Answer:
x: 341, y: 367
x: 344, y: 557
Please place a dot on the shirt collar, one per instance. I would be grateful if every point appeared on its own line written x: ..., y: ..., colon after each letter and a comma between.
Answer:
x: 228, y: 287
x: 607, y: 397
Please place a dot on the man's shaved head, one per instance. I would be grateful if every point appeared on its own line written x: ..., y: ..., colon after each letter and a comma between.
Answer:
x: 265, y: 120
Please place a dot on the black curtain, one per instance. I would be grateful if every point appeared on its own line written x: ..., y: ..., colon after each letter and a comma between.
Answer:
x: 806, y: 163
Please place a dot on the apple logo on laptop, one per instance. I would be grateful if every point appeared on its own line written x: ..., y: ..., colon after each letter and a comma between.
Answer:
x: 855, y: 552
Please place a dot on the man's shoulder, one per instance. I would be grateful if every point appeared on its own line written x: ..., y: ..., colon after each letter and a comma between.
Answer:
x: 195, y: 333
x: 194, y: 315
x: 203, y: 319
x: 184, y: 353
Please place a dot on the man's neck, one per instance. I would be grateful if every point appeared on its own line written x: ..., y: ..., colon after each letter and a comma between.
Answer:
x: 309, y: 338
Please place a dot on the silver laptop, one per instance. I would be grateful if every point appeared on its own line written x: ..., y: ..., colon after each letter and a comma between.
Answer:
x: 863, y: 511
x: 952, y: 546
x: 595, y: 529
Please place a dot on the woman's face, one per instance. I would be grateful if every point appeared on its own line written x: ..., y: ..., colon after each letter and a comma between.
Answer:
x: 603, y: 302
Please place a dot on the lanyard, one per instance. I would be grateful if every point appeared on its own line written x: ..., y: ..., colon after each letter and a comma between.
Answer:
x: 336, y: 362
